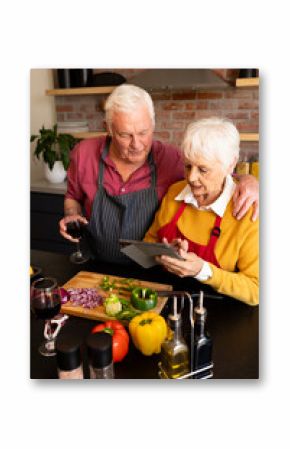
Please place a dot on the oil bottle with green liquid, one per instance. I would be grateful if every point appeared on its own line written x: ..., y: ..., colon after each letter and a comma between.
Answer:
x: 174, y: 355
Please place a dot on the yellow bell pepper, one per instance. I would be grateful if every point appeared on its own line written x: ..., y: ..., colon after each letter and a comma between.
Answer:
x: 148, y: 331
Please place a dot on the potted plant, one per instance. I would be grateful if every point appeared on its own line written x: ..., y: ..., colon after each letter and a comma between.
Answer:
x: 54, y: 149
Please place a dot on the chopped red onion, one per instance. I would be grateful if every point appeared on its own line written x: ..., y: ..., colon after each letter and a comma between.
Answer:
x: 85, y: 297
x: 64, y: 295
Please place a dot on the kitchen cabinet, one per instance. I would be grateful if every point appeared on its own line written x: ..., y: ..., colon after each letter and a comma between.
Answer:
x: 46, y: 209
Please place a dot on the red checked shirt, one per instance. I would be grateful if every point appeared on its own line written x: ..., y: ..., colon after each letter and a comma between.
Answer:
x: 82, y: 175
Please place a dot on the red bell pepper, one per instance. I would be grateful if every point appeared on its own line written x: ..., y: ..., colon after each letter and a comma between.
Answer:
x: 120, y: 338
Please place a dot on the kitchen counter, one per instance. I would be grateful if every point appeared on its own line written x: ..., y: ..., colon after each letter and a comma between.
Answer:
x: 38, y: 184
x: 233, y: 326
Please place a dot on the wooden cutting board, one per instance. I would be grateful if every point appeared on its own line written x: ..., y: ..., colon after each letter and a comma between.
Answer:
x: 86, y: 279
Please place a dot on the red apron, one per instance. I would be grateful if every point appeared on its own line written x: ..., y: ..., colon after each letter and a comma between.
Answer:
x: 206, y: 252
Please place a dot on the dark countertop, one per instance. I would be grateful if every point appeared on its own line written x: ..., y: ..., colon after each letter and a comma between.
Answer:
x: 40, y: 184
x: 233, y: 325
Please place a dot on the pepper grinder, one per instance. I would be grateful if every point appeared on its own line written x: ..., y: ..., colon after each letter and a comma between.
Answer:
x: 201, y: 351
x: 99, y: 346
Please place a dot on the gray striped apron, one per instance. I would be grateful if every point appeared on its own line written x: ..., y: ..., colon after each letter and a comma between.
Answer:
x: 117, y: 217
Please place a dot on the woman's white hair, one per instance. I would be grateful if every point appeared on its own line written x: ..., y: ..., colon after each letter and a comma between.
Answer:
x: 216, y: 139
x: 125, y: 98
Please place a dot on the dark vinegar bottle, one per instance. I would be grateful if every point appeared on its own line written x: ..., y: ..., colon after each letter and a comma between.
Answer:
x: 202, y: 348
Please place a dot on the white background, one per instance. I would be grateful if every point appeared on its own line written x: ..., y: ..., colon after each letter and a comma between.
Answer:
x: 220, y: 414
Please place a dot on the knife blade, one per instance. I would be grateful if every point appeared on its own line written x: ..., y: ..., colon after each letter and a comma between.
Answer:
x: 164, y: 293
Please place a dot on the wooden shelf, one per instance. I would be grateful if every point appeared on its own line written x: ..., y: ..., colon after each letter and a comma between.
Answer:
x: 245, y: 137
x: 81, y: 91
x: 249, y: 137
x: 247, y: 82
x: 88, y: 135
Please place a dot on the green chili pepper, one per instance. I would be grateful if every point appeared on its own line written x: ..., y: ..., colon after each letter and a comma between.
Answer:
x: 127, y: 285
x: 127, y: 315
x: 106, y: 284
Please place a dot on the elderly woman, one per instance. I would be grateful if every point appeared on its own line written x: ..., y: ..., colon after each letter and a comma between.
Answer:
x: 196, y: 215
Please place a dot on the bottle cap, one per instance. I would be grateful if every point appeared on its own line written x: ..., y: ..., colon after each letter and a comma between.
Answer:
x: 68, y: 353
x: 174, y: 321
x: 200, y: 313
x: 99, y: 347
x: 200, y: 310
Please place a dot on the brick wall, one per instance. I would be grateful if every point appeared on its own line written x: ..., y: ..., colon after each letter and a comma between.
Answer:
x: 175, y: 109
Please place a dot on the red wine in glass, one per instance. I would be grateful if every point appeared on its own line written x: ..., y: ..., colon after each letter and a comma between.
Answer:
x: 45, y: 309
x: 46, y: 304
x: 76, y: 230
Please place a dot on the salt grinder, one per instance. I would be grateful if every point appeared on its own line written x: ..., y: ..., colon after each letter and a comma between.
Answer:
x: 68, y: 356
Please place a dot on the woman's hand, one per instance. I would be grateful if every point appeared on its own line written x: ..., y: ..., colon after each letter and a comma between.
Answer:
x: 63, y: 222
x: 177, y: 244
x: 190, y: 266
x: 246, y: 195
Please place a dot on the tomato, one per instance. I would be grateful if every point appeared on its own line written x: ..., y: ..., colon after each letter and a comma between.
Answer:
x: 120, y: 338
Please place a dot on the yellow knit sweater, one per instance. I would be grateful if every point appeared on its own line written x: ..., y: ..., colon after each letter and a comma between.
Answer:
x: 236, y: 249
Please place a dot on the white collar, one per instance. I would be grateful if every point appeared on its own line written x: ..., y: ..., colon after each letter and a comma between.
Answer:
x: 218, y: 206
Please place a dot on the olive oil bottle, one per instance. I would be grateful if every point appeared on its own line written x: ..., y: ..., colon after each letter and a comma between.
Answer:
x: 174, y: 351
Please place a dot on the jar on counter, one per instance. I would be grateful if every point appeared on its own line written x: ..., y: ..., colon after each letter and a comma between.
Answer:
x: 100, y: 355
x: 243, y: 168
x: 68, y: 356
x: 248, y: 73
x: 254, y: 169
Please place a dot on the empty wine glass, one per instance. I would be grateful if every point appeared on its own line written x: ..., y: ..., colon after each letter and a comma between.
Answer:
x: 76, y: 229
x: 46, y: 303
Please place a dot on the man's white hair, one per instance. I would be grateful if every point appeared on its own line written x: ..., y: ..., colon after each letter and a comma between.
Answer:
x: 126, y: 98
x: 216, y: 139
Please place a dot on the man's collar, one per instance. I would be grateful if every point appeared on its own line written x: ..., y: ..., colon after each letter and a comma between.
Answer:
x: 218, y: 206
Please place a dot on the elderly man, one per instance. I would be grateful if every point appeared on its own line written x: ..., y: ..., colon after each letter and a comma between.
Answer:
x: 120, y: 180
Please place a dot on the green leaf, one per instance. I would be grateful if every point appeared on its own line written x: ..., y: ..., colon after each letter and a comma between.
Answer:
x: 65, y: 160
x: 49, y: 157
x: 55, y: 130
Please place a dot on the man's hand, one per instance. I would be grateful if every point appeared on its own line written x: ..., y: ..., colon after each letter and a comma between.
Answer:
x: 63, y: 222
x: 246, y: 195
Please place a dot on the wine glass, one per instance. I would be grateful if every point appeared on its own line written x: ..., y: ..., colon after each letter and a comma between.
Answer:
x: 46, y: 303
x: 76, y: 229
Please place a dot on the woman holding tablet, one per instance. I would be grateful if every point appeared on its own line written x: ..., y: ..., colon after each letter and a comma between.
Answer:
x: 196, y: 216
